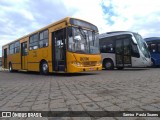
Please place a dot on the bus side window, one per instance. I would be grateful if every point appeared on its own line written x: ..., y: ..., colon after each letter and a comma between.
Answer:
x: 153, y: 48
x: 43, y: 39
x: 33, y: 41
x: 103, y: 48
x: 107, y: 46
x: 135, y: 52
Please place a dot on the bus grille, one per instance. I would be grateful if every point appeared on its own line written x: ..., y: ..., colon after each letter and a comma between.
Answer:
x: 89, y: 63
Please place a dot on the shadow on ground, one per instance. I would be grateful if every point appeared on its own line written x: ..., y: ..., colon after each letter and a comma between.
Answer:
x: 129, y: 69
x: 55, y: 74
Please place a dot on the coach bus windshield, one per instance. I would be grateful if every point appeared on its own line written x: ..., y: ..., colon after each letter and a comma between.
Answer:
x: 142, y: 45
x: 82, y: 41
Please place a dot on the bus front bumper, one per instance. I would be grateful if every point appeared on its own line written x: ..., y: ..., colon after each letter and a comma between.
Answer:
x: 73, y: 68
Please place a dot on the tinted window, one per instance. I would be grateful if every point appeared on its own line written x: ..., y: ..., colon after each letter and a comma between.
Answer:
x: 135, y: 52
x: 119, y: 46
x: 107, y: 45
x: 153, y: 48
x: 127, y: 50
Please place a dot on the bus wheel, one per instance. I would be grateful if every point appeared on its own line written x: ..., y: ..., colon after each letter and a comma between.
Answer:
x: 10, y: 67
x: 108, y: 65
x: 44, y: 68
x: 120, y: 68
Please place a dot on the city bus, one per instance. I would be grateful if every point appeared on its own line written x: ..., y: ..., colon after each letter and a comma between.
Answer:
x: 69, y: 45
x: 154, y: 49
x: 123, y: 49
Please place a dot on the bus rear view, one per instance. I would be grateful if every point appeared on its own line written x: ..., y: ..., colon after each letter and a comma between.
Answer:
x: 121, y: 49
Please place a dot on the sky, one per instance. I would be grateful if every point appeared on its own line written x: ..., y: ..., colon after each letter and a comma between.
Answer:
x: 21, y: 17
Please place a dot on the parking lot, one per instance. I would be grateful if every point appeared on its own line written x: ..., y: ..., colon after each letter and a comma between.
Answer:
x: 135, y: 89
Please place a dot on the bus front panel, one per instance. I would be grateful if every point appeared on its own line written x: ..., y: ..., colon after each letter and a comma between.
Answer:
x: 83, y: 62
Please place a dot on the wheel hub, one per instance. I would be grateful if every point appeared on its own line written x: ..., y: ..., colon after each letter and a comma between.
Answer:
x: 10, y: 68
x: 108, y: 65
x: 45, y: 67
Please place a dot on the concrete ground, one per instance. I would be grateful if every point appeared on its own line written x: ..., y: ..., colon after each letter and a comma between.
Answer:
x: 114, y: 90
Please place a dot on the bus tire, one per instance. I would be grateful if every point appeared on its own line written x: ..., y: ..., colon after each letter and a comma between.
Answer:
x: 108, y: 64
x: 120, y: 68
x: 10, y: 67
x: 44, y: 69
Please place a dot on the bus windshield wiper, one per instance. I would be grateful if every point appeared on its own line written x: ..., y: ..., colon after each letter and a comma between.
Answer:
x: 82, y: 33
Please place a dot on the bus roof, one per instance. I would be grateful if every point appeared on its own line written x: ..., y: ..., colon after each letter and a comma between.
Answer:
x: 48, y: 26
x: 114, y: 33
x: 152, y: 39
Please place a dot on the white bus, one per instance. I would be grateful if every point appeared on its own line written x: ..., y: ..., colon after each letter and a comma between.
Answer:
x: 121, y: 49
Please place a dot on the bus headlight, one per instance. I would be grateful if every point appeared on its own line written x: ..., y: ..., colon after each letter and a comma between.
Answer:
x: 77, y: 64
x: 99, y: 63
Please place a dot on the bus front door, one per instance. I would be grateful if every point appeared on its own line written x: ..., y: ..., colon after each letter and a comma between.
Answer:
x: 123, y: 53
x: 5, y: 58
x: 24, y: 55
x: 59, y: 54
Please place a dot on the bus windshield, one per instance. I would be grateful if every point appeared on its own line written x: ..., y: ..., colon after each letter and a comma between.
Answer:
x: 142, y: 45
x: 82, y: 41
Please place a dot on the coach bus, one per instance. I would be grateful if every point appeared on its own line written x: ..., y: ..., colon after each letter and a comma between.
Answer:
x: 68, y: 45
x: 154, y: 49
x: 123, y: 49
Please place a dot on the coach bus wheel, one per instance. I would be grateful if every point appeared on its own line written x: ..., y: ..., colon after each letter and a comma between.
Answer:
x: 44, y: 68
x: 108, y: 65
x: 10, y: 67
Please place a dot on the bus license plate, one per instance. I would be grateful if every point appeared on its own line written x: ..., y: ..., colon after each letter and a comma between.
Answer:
x: 91, y: 68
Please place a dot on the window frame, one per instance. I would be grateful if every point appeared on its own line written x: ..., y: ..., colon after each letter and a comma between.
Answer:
x: 47, y: 38
x: 31, y: 46
x: 17, y: 47
x: 104, y: 45
x: 31, y: 43
x: 11, y: 47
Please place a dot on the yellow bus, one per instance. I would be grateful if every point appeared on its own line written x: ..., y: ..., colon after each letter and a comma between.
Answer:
x: 69, y: 45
